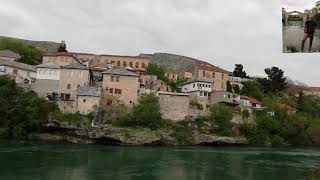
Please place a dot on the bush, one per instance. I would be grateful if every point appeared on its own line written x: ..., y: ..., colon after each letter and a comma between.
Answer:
x: 222, y: 116
x: 195, y: 103
x: 145, y: 114
x: 21, y: 112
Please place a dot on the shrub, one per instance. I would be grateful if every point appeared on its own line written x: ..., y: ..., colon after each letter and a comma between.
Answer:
x: 145, y: 114
x: 195, y: 103
x: 222, y: 116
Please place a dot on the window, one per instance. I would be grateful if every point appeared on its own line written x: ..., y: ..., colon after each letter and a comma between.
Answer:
x: 131, y: 64
x: 78, y: 86
x: 118, y: 63
x: 173, y: 76
x: 213, y: 75
x: 84, y: 100
x: 111, y: 91
x: 67, y: 97
x: 194, y: 85
x: 70, y: 74
x: 137, y: 64
x: 15, y: 71
x: 115, y: 79
x: 68, y: 86
x: 222, y: 85
x: 80, y: 74
x: 113, y: 62
x: 117, y: 91
x: 124, y: 63
x: 45, y: 72
x: 143, y: 65
x: 55, y: 72
x: 204, y: 73
x: 2, y: 69
x: 222, y: 77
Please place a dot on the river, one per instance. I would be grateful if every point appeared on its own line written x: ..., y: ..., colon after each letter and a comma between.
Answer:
x: 293, y: 35
x: 50, y: 161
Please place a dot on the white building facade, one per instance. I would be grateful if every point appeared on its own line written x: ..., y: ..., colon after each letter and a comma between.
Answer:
x: 200, y: 88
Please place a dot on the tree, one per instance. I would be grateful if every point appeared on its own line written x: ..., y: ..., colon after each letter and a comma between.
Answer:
x: 300, y: 101
x: 252, y: 89
x: 229, y: 87
x: 145, y: 114
x: 21, y: 112
x: 29, y: 54
x: 222, y: 116
x: 111, y: 107
x: 275, y: 83
x: 62, y: 47
x: 157, y: 70
x: 239, y: 72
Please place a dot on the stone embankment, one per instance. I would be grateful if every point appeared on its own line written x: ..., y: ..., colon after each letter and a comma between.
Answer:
x: 110, y: 135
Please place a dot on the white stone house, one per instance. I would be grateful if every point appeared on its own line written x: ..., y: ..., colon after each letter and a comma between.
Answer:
x: 23, y: 73
x: 9, y: 55
x: 245, y: 101
x: 200, y: 88
x: 47, y: 79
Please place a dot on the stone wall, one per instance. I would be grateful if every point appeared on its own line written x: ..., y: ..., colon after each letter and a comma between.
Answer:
x: 44, y: 86
x: 174, y: 106
x: 85, y: 104
x: 67, y: 106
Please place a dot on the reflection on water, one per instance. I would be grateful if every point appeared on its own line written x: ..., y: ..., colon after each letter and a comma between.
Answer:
x: 293, y: 35
x: 35, y: 161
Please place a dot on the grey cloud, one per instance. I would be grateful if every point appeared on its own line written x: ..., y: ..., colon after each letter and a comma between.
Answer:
x: 221, y: 32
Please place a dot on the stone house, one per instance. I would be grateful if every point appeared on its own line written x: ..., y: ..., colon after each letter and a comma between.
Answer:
x: 222, y: 97
x: 312, y: 91
x: 72, y: 76
x: 47, y: 79
x: 122, y: 83
x: 87, y: 98
x: 60, y: 58
x: 172, y: 75
x: 138, y: 63
x: 200, y: 88
x: 237, y: 80
x: 23, y: 73
x: 173, y: 106
x: 9, y: 55
x: 246, y: 101
x: 212, y: 73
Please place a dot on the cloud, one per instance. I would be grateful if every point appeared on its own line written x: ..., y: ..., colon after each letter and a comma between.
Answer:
x: 221, y: 32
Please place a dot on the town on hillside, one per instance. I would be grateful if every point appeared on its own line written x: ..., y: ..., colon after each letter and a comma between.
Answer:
x: 77, y: 81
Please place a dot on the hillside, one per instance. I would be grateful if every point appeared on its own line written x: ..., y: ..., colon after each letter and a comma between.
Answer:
x: 172, y: 61
x: 48, y: 45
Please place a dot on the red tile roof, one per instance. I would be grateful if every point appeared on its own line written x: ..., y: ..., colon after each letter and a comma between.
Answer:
x: 210, y: 68
x: 55, y: 54
x: 252, y: 100
x: 314, y: 89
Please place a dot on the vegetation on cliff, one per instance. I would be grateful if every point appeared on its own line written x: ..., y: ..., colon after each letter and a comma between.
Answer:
x: 21, y: 112
x: 29, y: 54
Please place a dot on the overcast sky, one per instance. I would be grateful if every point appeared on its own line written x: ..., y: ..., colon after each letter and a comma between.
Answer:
x: 298, y: 5
x: 222, y: 32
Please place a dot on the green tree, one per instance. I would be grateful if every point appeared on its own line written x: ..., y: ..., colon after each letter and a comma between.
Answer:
x: 145, y: 114
x: 222, y: 116
x: 275, y: 83
x: 229, y: 87
x: 239, y: 72
x: 21, y: 112
x: 252, y: 89
x: 62, y: 47
x: 28, y: 53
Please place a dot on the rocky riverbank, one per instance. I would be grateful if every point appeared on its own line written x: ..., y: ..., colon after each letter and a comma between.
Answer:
x: 110, y: 135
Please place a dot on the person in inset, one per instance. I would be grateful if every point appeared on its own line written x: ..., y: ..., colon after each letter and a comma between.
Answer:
x: 309, y: 29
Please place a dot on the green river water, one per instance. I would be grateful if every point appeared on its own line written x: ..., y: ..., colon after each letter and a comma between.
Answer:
x: 21, y: 160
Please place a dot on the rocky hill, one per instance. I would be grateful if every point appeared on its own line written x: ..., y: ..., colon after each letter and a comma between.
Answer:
x: 173, y: 61
x: 47, y: 45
